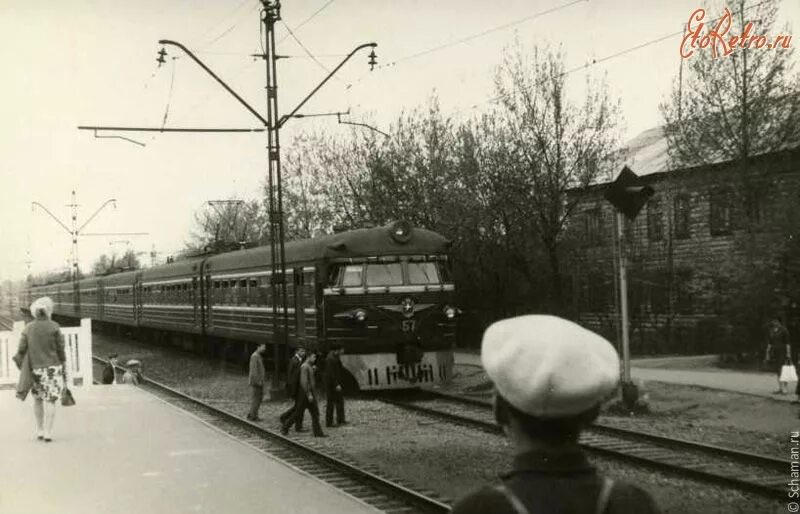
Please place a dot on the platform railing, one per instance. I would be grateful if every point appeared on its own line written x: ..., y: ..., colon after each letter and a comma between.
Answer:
x: 77, y: 346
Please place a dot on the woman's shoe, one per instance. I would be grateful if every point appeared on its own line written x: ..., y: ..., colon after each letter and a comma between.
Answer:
x: 48, y: 440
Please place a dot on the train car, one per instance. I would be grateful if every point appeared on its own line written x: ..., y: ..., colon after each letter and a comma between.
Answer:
x: 169, y: 297
x: 388, y: 300
x: 119, y: 307
x: 384, y: 294
x: 238, y: 297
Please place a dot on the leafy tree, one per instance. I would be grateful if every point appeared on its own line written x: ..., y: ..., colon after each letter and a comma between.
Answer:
x: 552, y: 146
x: 732, y: 108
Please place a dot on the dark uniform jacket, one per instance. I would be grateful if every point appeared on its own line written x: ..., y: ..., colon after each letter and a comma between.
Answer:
x: 293, y: 376
x: 555, y: 481
x: 333, y: 371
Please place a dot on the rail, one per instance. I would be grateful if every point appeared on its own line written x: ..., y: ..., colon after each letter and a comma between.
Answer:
x: 759, y: 474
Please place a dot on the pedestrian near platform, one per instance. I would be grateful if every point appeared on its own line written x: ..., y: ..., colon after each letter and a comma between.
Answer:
x: 779, y: 353
x: 332, y: 379
x: 551, y: 376
x: 292, y: 388
x: 256, y: 378
x: 132, y: 375
x: 110, y: 370
x: 307, y: 398
x: 43, y: 343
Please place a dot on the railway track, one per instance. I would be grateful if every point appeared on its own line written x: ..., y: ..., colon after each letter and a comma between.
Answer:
x: 762, y: 475
x: 363, y: 484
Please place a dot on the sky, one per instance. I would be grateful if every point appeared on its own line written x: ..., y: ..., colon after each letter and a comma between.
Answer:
x: 88, y: 62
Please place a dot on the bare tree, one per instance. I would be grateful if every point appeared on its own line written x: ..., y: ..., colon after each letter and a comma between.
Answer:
x: 732, y: 107
x: 229, y: 224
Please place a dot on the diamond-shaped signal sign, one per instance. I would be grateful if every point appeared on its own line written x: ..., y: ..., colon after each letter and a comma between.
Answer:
x: 628, y: 194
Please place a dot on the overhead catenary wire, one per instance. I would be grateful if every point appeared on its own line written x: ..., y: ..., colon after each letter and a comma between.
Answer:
x: 615, y: 55
x: 315, y: 13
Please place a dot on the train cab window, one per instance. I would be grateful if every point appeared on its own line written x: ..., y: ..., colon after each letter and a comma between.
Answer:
x: 390, y: 274
x: 352, y: 275
x: 423, y: 273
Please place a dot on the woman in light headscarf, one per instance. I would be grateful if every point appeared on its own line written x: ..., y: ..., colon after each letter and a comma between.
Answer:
x: 43, y: 341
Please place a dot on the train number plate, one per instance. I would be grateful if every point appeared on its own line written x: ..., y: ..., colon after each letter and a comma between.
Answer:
x: 408, y: 325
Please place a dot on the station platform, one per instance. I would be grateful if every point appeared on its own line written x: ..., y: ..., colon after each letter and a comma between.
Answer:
x: 124, y: 451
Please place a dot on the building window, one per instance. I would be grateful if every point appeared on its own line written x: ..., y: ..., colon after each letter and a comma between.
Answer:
x: 593, y: 226
x: 682, y: 217
x: 655, y: 220
x: 720, y: 212
x: 658, y: 293
x: 683, y: 291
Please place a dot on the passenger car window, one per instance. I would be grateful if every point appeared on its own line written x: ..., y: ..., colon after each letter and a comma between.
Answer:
x: 384, y: 274
x: 423, y: 273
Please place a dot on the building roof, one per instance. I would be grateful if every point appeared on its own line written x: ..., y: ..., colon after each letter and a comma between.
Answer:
x: 646, y: 153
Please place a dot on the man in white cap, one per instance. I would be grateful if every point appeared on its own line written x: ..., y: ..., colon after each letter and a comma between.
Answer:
x: 133, y: 375
x: 551, y: 377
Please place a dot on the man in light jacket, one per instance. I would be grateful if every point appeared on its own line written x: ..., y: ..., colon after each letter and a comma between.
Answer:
x: 256, y: 381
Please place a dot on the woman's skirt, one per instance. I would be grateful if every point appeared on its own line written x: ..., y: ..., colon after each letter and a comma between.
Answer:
x: 48, y: 383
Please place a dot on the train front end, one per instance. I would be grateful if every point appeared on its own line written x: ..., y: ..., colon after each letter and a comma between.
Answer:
x: 390, y: 305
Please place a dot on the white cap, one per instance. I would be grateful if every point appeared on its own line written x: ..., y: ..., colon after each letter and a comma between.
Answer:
x: 549, y: 367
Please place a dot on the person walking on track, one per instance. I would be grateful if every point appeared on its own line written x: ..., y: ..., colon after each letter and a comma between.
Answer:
x: 293, y: 386
x: 550, y: 377
x: 256, y: 379
x: 334, y: 399
x: 43, y: 342
x: 307, y: 398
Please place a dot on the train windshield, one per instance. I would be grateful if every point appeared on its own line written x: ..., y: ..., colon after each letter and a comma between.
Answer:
x: 390, y: 274
x: 423, y: 273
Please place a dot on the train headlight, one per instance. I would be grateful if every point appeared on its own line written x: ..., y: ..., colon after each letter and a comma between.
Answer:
x: 360, y: 315
x: 450, y: 312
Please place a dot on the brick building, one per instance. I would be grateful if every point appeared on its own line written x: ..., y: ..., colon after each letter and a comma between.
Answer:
x: 707, y: 256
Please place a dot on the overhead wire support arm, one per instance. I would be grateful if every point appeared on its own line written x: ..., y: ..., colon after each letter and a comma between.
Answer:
x: 221, y: 82
x: 285, y: 118
x: 113, y: 200
x: 160, y: 129
x: 52, y: 216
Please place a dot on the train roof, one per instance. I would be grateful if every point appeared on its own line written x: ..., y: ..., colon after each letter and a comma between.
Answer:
x: 119, y: 279
x: 179, y: 268
x: 352, y: 244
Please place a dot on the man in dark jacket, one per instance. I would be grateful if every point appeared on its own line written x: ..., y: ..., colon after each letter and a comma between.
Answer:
x: 109, y: 372
x: 334, y: 399
x: 307, y: 398
x: 256, y: 379
x: 292, y: 386
x: 551, y: 376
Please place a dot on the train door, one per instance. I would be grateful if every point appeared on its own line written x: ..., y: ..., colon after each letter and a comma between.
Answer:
x: 299, y: 306
x: 100, y: 297
x: 138, y: 299
x: 193, y: 299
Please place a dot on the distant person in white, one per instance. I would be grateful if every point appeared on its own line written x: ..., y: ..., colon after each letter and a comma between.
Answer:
x: 133, y: 375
